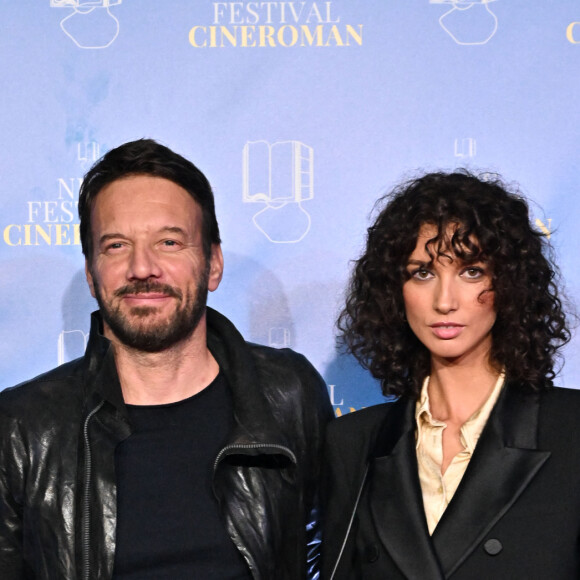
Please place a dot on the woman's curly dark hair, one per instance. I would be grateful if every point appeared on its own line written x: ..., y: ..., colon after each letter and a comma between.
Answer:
x: 530, y: 325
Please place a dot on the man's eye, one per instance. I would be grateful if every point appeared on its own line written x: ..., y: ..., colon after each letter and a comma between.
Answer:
x: 170, y: 243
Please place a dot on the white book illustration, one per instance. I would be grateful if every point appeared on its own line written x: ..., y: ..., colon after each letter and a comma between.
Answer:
x: 91, y: 25
x: 468, y: 22
x: 280, y: 176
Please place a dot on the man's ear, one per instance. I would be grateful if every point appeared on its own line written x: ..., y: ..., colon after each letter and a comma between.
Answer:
x: 216, y: 267
x: 89, y: 278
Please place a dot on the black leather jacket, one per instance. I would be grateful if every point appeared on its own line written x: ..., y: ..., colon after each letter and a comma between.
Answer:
x: 58, y: 435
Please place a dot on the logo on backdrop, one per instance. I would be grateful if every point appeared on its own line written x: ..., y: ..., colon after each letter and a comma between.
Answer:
x: 274, y: 24
x: 71, y: 344
x: 91, y: 24
x: 339, y: 405
x: 468, y: 22
x: 465, y: 148
x: 280, y: 177
x: 279, y: 337
x: 54, y: 222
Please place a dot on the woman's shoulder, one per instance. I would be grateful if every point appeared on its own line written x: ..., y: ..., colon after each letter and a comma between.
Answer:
x: 560, y: 414
x: 560, y: 396
x: 362, y: 424
x: 561, y: 400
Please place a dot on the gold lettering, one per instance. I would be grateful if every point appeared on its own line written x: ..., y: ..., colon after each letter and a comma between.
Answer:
x: 248, y: 36
x: 43, y: 234
x: 351, y: 32
x: 293, y: 32
x: 251, y: 36
x: 192, y: 39
x: 35, y: 234
x: 77, y: 234
x: 7, y: 239
x: 267, y: 32
x: 62, y: 235
x: 309, y: 36
x: 336, y: 35
x: 545, y: 229
x: 570, y: 33
x: 231, y: 37
x: 338, y: 411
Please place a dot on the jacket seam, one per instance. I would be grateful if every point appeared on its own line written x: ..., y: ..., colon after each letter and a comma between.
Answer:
x: 353, y: 513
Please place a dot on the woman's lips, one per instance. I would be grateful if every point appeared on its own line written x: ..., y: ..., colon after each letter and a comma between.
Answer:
x: 446, y: 330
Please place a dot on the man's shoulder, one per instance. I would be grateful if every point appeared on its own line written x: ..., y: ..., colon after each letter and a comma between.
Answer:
x: 229, y: 345
x: 283, y: 357
x: 285, y: 366
x: 53, y: 387
x: 284, y: 363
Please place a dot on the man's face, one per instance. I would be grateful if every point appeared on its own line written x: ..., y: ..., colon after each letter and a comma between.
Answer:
x: 148, y: 271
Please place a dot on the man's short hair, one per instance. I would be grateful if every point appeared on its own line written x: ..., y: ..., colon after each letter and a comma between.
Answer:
x: 146, y: 157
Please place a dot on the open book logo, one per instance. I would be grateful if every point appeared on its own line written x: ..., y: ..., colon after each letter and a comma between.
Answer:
x: 468, y: 22
x: 71, y: 344
x: 91, y: 24
x: 280, y: 177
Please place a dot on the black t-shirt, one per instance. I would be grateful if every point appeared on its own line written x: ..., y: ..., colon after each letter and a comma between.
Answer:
x: 168, y: 521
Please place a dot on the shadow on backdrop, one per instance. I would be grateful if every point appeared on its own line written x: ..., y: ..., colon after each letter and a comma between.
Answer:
x: 77, y: 305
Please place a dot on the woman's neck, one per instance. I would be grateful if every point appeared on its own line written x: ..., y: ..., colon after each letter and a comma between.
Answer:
x: 456, y: 392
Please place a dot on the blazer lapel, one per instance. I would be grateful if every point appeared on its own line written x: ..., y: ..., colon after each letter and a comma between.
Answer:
x: 505, y: 461
x: 395, y: 497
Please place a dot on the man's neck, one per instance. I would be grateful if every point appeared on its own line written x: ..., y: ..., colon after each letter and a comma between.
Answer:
x: 168, y: 376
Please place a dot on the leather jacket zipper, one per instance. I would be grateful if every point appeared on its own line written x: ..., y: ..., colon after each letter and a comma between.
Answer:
x: 242, y: 446
x: 86, y: 516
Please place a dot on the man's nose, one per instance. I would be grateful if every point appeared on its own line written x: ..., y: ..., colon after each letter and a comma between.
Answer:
x: 144, y: 264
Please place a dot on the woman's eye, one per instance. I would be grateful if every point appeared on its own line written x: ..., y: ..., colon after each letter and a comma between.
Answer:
x: 422, y: 274
x: 473, y: 273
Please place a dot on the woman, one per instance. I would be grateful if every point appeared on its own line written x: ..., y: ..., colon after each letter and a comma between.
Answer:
x: 473, y: 470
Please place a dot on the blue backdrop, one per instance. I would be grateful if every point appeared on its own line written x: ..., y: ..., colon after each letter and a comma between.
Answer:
x: 301, y: 114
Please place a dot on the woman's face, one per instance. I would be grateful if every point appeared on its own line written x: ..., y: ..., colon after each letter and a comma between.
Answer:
x: 447, y: 302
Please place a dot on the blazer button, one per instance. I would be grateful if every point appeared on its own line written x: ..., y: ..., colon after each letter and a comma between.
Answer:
x: 372, y: 553
x: 493, y: 547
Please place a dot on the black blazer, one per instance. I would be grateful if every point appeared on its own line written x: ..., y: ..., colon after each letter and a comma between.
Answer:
x: 515, y: 514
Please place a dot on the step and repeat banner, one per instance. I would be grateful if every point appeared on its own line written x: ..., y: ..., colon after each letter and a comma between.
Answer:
x: 301, y: 114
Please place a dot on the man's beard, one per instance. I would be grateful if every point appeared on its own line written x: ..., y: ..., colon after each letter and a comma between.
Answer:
x: 164, y: 334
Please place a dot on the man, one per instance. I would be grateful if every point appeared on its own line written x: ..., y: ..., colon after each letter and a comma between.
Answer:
x: 173, y: 448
